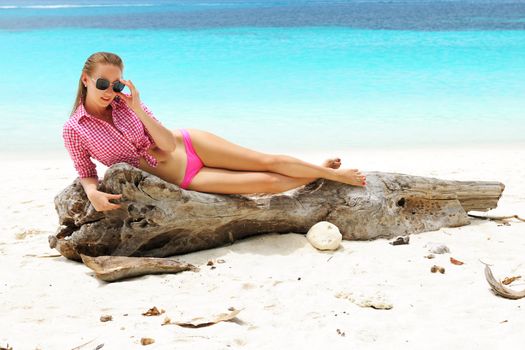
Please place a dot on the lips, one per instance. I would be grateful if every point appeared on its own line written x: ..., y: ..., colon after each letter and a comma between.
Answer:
x: 106, y: 99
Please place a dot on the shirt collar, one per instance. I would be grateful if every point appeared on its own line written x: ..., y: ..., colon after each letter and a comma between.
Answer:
x: 81, y: 112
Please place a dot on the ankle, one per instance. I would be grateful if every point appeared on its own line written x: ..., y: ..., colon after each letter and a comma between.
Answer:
x: 333, y: 174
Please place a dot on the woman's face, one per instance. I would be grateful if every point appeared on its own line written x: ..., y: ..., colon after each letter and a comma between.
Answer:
x: 101, y: 98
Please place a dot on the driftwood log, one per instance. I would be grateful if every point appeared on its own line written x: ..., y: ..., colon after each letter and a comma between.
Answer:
x: 159, y: 219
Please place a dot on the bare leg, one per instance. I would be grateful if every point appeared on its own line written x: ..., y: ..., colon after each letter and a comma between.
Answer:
x: 215, y: 180
x: 217, y: 152
x: 294, y: 167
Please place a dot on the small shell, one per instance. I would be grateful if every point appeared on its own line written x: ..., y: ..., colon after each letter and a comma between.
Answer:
x: 436, y: 268
x: 437, y: 248
x: 106, y: 318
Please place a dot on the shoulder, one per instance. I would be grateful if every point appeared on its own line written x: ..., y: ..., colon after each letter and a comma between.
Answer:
x: 71, y: 136
x: 74, y: 118
x: 72, y: 130
x: 69, y: 126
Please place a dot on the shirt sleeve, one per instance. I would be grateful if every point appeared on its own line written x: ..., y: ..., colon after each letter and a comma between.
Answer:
x: 79, y: 155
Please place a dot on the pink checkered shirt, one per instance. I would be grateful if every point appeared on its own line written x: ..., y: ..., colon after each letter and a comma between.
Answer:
x: 86, y: 136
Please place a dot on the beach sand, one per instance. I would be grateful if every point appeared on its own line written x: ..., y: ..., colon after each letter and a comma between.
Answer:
x: 290, y: 294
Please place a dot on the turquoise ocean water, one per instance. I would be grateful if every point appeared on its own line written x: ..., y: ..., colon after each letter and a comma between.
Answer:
x: 276, y: 76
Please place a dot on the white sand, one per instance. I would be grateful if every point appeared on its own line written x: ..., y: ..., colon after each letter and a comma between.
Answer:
x: 291, y: 295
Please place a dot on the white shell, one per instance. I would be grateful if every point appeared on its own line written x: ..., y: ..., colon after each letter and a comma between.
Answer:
x: 437, y: 248
x: 324, y: 236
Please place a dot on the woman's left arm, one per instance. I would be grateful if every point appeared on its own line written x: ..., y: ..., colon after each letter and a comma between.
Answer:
x: 163, y: 137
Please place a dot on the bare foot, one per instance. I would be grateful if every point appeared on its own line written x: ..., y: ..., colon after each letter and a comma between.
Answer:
x: 333, y: 163
x: 351, y: 177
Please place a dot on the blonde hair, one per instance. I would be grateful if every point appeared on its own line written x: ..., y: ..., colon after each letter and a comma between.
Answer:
x: 89, y: 67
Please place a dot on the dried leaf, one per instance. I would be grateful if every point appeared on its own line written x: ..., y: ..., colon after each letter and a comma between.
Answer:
x: 153, y: 312
x: 75, y: 348
x: 208, y: 321
x: 147, y: 341
x: 509, y: 280
x: 49, y: 256
x: 456, y: 262
x: 496, y: 217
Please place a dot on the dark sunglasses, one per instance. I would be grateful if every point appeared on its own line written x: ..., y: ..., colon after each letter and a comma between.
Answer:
x: 104, y: 84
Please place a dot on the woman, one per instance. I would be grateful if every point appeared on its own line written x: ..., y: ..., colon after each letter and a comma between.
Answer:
x: 113, y: 127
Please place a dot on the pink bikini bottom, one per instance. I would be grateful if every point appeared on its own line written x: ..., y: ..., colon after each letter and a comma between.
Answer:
x: 193, y: 164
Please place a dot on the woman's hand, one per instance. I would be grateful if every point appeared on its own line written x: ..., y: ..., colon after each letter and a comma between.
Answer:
x: 133, y: 101
x: 100, y: 200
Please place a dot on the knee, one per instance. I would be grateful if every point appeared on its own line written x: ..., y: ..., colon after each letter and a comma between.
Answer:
x: 278, y: 184
x: 273, y: 162
x: 269, y: 183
